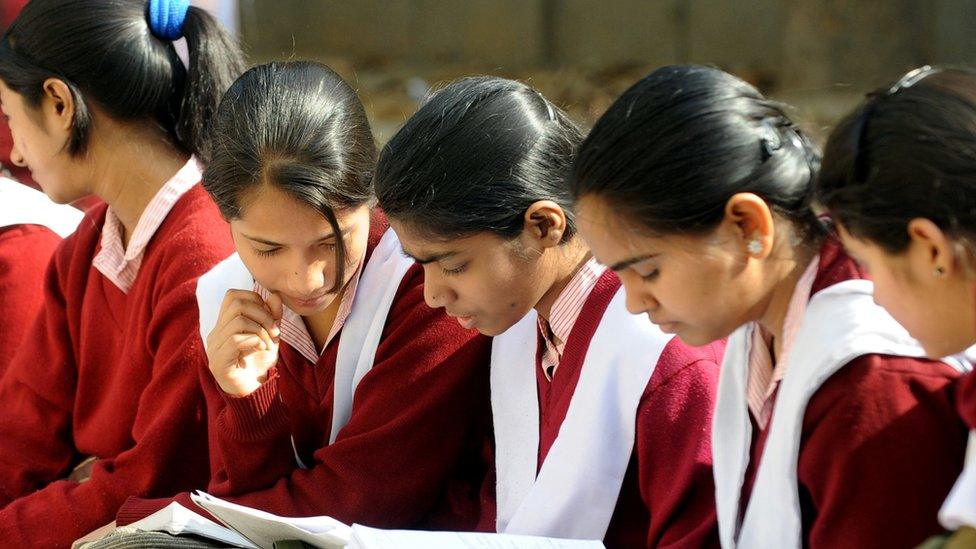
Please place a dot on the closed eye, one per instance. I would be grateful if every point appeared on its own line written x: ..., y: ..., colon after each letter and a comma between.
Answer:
x: 455, y: 271
x: 267, y: 253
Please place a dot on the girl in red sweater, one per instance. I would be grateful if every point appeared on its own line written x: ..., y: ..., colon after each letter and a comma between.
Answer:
x: 600, y: 419
x: 899, y: 178
x: 332, y: 388
x: 830, y: 430
x: 99, y: 103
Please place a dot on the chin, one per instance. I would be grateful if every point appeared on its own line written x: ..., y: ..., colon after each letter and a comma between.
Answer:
x: 697, y: 338
x: 59, y: 195
x: 937, y: 349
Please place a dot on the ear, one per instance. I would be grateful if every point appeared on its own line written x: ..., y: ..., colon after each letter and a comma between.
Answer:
x: 58, y: 104
x: 931, y: 251
x: 545, y: 223
x: 751, y: 221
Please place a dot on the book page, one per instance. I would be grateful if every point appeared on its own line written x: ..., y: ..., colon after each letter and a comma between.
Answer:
x: 178, y: 520
x: 264, y: 529
x: 364, y: 537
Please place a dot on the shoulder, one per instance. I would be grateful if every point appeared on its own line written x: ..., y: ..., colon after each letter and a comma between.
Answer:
x: 873, y: 390
x: 28, y: 235
x: 680, y: 360
x: 192, y: 239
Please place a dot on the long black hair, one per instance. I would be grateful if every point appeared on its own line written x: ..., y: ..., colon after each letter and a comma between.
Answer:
x: 908, y: 151
x: 298, y: 127
x: 475, y: 156
x: 671, y: 151
x: 107, y: 55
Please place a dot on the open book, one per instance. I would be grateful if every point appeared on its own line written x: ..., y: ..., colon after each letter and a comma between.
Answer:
x: 253, y: 529
x: 243, y: 526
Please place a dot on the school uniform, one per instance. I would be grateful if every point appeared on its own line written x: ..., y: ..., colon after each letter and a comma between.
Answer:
x: 850, y: 441
x: 31, y: 227
x: 601, y: 425
x: 384, y: 426
x: 959, y: 509
x: 107, y: 370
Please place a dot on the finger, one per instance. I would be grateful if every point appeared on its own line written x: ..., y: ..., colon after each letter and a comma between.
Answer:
x: 256, y: 312
x: 245, y: 325
x: 247, y: 342
x: 235, y: 300
x: 276, y: 306
x: 226, y: 355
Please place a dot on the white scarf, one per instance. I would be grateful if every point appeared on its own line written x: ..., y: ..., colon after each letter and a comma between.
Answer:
x: 360, y: 336
x: 841, y: 323
x: 959, y: 508
x: 22, y: 205
x: 576, y: 490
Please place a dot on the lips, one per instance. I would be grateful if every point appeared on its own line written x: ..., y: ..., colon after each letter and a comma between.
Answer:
x: 665, y: 325
x: 466, y: 322
x: 311, y: 301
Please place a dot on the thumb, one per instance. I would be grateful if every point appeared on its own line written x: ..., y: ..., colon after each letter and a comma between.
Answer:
x: 274, y: 303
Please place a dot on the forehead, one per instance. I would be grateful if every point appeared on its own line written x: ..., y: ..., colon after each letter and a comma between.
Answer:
x: 268, y: 211
x: 608, y: 234
x: 8, y: 97
x: 420, y: 243
x: 616, y: 239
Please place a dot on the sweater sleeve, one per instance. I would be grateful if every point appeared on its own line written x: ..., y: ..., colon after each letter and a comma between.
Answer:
x: 881, y: 448
x: 255, y: 425
x: 391, y: 465
x: 25, y: 252
x: 674, y: 452
x: 35, y: 428
x: 167, y: 452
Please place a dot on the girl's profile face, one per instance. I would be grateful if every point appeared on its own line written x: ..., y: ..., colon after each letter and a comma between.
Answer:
x: 40, y: 145
x: 937, y: 310
x: 699, y: 287
x: 290, y: 248
x: 486, y: 282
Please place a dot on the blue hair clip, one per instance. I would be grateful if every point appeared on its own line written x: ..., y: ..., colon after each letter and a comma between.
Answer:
x: 166, y: 18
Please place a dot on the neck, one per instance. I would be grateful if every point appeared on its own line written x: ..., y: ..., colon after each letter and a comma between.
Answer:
x: 787, y: 274
x: 566, y: 261
x: 133, y: 163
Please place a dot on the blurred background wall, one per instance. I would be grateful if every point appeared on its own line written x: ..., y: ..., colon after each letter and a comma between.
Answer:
x: 819, y: 55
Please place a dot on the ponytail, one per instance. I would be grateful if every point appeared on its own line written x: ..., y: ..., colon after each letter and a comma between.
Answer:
x: 129, y: 67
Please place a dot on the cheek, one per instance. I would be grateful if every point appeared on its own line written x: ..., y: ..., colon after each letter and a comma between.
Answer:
x: 263, y: 270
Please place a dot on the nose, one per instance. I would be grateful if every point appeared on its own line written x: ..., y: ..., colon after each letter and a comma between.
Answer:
x: 307, y: 278
x: 639, y: 300
x: 16, y: 157
x: 436, y: 293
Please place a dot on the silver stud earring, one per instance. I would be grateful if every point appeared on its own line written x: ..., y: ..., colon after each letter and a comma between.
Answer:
x: 754, y: 247
x: 939, y: 272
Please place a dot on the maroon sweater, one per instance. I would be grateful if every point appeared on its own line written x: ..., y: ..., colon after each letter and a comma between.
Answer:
x: 667, y: 497
x: 25, y: 251
x: 410, y: 454
x: 881, y: 444
x: 107, y: 374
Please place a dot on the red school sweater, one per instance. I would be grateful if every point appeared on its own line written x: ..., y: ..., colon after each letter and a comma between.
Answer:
x: 25, y: 251
x: 881, y: 444
x: 667, y: 498
x: 411, y: 453
x: 107, y: 374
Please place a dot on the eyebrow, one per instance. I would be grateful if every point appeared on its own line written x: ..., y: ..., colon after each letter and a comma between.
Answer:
x: 429, y: 259
x: 621, y: 265
x: 344, y: 232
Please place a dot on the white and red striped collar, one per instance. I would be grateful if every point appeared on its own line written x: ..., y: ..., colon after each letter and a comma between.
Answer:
x: 763, y: 375
x: 567, y: 308
x: 293, y: 329
x: 120, y: 264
